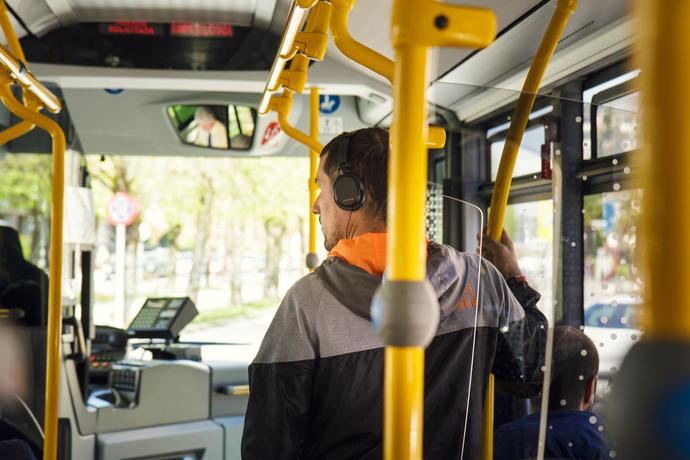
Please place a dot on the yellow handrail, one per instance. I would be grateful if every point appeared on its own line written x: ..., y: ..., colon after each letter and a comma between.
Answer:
x: 311, y: 44
x: 665, y: 221
x: 54, y: 289
x: 14, y: 64
x: 414, y: 28
x: 313, y: 161
x: 15, y: 131
x: 353, y: 49
x: 499, y: 197
x: 281, y: 104
x: 369, y: 58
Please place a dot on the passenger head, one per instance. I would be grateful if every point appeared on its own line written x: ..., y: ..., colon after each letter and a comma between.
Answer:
x: 362, y: 156
x: 575, y: 365
x: 205, y: 118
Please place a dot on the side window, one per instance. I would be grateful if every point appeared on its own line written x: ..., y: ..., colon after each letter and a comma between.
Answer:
x: 612, y: 122
x: 530, y: 226
x: 612, y: 284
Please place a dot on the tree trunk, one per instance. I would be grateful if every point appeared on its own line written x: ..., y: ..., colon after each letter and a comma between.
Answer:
x: 274, y: 252
x: 203, y: 228
x: 234, y: 259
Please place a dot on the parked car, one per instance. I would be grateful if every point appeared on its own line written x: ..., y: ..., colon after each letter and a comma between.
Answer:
x: 613, y: 326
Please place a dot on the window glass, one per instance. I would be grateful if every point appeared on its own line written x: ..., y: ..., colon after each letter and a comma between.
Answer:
x: 530, y: 226
x: 529, y: 154
x: 246, y: 119
x: 233, y: 124
x: 618, y: 125
x: 622, y: 104
x: 612, y: 284
x: 25, y: 203
x: 231, y: 234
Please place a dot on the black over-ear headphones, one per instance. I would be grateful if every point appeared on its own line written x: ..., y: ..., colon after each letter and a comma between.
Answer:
x: 348, y: 188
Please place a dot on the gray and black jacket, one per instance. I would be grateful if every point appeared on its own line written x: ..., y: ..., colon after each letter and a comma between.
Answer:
x: 317, y: 381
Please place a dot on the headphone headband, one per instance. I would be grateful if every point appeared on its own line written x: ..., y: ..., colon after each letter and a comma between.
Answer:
x: 344, y: 165
x: 348, y: 188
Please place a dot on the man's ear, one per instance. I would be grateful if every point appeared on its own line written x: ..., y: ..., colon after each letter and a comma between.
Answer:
x: 590, y: 391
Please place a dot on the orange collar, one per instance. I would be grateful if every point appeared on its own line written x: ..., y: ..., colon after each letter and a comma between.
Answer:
x: 366, y: 251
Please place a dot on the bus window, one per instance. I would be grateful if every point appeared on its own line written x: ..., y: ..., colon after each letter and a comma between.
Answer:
x: 529, y: 156
x: 530, y: 226
x: 615, y: 127
x: 230, y: 233
x: 612, y: 284
x: 618, y: 125
x: 25, y: 202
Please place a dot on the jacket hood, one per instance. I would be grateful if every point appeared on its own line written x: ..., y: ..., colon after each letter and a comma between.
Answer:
x: 449, y: 272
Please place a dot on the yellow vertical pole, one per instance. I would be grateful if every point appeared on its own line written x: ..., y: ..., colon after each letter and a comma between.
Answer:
x: 313, y: 161
x: 499, y: 197
x: 416, y: 25
x: 655, y: 375
x: 404, y: 366
x: 55, y: 288
x: 666, y: 222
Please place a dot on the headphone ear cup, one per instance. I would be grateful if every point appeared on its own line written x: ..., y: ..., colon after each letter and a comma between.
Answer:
x: 348, y: 192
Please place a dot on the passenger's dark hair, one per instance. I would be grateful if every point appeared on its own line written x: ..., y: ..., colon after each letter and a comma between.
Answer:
x: 575, y: 362
x: 368, y: 156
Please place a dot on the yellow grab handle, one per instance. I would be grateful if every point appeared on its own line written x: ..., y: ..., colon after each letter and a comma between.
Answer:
x: 406, y: 251
x: 281, y: 104
x: 313, y: 163
x: 54, y: 289
x: 499, y: 197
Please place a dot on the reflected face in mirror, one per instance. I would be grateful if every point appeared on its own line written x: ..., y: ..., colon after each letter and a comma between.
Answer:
x: 214, y: 126
x: 333, y: 219
x: 205, y: 118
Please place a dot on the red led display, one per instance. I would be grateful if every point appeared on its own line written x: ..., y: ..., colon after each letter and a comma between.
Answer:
x: 200, y: 29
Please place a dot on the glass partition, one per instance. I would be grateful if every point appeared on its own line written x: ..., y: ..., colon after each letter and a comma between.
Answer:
x: 562, y: 212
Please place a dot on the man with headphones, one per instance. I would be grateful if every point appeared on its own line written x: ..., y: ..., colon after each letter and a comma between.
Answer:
x: 316, y: 385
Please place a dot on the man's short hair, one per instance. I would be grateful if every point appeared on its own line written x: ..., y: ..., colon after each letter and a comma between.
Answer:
x: 368, y: 157
x: 204, y: 112
x: 575, y: 361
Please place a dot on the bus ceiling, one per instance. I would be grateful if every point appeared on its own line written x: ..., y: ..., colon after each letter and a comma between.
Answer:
x: 222, y: 51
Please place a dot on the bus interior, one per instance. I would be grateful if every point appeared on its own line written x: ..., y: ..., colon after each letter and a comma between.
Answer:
x: 146, y: 371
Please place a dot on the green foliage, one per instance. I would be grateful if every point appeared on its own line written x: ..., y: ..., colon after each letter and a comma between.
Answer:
x: 220, y: 315
x: 25, y: 184
x: 246, y: 190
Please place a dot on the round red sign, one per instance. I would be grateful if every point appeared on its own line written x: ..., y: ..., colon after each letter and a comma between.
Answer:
x: 122, y: 209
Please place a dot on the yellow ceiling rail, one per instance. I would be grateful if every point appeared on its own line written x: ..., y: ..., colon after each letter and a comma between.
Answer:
x: 281, y: 104
x: 23, y: 126
x: 369, y: 58
x: 310, y: 43
x: 405, y: 306
x: 499, y: 197
x: 312, y: 257
x: 35, y: 95
x: 353, y: 49
x: 28, y: 82
x: 54, y: 289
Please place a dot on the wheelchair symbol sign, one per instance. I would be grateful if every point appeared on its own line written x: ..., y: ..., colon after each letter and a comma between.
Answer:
x: 329, y: 104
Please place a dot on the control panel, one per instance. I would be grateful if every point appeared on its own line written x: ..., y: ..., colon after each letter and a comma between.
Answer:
x: 108, y: 347
x: 162, y: 318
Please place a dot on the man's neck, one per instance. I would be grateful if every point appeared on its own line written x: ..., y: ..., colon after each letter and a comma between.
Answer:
x: 360, y: 227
